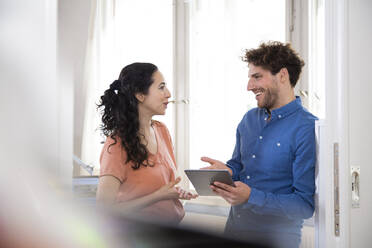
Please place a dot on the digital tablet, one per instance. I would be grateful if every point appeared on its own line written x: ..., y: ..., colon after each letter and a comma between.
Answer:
x: 202, y: 179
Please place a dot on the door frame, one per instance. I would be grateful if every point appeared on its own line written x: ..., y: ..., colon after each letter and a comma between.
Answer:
x: 333, y: 132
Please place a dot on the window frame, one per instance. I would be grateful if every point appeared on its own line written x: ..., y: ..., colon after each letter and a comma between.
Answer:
x: 296, y: 30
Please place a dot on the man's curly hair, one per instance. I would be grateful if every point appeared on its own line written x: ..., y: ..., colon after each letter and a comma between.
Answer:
x: 275, y: 55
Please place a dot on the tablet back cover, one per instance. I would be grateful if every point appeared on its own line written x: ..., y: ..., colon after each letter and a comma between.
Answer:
x: 202, y: 179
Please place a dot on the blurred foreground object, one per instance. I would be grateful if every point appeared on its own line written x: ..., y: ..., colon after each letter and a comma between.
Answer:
x: 37, y: 211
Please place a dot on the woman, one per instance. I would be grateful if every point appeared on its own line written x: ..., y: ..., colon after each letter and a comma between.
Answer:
x: 137, y: 161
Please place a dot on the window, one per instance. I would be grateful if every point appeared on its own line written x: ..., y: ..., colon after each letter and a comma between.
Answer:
x: 121, y: 32
x: 316, y: 59
x: 220, y: 31
x: 198, y: 45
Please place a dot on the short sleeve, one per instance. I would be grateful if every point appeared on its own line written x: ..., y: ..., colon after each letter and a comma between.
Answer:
x: 112, y: 160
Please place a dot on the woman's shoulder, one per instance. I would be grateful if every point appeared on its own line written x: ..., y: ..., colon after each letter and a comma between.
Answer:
x: 113, y: 150
x: 113, y: 158
x: 159, y: 125
x: 113, y: 146
x: 113, y: 141
x: 161, y: 128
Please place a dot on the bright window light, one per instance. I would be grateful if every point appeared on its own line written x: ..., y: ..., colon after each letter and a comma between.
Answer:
x: 220, y: 31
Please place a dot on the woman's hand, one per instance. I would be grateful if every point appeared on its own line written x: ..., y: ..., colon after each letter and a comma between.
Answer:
x: 185, y: 195
x: 168, y: 191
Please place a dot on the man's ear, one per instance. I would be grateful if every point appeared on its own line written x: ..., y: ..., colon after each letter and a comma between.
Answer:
x: 140, y: 97
x: 284, y: 75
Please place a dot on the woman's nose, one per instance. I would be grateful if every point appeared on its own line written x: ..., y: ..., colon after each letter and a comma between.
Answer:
x: 168, y: 94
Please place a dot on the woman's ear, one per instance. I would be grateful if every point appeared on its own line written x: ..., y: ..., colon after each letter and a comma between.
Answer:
x: 140, y: 97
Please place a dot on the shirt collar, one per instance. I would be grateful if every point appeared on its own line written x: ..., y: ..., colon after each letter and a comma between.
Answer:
x: 286, y: 109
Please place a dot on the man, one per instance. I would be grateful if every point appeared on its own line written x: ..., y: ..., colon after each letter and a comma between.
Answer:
x: 273, y: 164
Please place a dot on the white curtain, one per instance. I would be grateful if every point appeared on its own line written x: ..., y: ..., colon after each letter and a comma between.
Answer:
x: 101, y: 67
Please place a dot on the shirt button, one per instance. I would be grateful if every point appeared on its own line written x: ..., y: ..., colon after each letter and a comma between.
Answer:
x: 278, y: 144
x: 248, y: 177
x: 279, y: 116
x: 238, y: 216
x: 265, y: 118
x: 260, y: 137
x: 253, y: 156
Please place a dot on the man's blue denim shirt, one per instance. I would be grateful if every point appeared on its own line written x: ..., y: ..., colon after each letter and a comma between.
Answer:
x: 276, y: 159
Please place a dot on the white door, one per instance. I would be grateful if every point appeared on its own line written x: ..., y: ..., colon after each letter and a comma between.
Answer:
x: 360, y: 117
x: 345, y: 139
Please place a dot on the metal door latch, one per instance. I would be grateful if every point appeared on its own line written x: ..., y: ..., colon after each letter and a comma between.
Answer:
x: 355, y: 191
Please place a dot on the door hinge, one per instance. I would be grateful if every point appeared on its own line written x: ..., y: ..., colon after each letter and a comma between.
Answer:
x: 336, y: 188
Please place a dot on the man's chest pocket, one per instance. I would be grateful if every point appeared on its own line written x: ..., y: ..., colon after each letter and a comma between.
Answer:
x: 278, y: 157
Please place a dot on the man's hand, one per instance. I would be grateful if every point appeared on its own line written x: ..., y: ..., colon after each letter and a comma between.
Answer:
x: 233, y: 195
x: 215, y: 164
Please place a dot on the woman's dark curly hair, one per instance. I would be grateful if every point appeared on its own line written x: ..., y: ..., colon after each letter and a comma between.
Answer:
x: 119, y: 109
x: 274, y: 56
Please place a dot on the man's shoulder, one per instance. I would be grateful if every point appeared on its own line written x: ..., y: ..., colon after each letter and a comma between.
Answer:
x: 306, y: 117
x: 304, y: 124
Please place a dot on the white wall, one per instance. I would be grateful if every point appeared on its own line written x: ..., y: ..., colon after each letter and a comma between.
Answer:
x: 360, y: 115
x: 29, y: 93
x: 73, y: 23
x: 42, y: 49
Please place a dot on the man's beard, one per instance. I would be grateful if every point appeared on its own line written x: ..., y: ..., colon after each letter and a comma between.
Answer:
x: 270, y: 99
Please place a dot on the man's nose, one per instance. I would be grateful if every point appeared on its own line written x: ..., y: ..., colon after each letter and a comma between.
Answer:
x: 250, y: 85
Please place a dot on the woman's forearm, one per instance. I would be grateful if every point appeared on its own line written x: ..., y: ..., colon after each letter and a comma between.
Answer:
x: 138, y: 203
x: 107, y: 197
